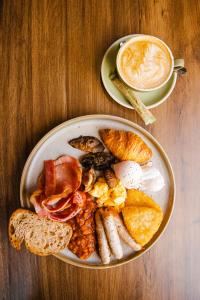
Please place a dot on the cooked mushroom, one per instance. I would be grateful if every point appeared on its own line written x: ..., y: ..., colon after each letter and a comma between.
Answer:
x: 88, y: 179
x: 99, y: 161
x: 87, y: 144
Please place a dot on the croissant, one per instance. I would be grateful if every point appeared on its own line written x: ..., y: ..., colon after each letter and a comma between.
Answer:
x: 126, y: 145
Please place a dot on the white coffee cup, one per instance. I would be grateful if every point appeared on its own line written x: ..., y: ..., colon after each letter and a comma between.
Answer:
x: 138, y: 68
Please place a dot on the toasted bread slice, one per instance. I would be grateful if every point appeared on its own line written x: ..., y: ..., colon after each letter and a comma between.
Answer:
x: 41, y: 236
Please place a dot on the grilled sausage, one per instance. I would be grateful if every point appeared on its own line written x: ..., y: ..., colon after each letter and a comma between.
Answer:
x: 112, y: 234
x: 104, y: 250
x: 123, y: 233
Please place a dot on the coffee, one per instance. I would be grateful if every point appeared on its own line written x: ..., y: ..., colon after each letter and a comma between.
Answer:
x: 144, y: 62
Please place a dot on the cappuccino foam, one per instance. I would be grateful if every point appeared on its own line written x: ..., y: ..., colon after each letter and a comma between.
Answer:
x: 145, y: 64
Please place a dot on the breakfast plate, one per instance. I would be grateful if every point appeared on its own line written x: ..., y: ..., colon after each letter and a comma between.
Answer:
x: 55, y: 144
x: 151, y: 98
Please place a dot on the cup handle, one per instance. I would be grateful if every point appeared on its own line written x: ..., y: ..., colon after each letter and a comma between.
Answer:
x: 179, y: 66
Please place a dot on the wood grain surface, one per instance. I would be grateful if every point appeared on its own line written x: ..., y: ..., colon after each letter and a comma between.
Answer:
x: 51, y: 53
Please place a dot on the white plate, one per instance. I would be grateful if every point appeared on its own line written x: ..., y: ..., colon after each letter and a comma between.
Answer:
x: 54, y: 144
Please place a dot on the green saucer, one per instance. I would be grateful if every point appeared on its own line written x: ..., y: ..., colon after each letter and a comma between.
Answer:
x: 150, y: 99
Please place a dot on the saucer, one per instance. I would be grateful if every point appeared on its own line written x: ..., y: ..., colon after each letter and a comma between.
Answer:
x: 150, y: 99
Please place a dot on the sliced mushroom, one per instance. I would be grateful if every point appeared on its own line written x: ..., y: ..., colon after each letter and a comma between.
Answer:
x: 87, y: 144
x: 99, y: 161
x: 88, y: 179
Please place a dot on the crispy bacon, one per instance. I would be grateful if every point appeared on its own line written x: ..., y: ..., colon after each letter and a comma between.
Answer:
x: 50, y: 177
x: 60, y: 205
x: 62, y: 177
x: 36, y: 200
x: 66, y: 214
x: 68, y: 174
x: 57, y: 196
x: 41, y: 181
x: 77, y: 202
x: 79, y: 198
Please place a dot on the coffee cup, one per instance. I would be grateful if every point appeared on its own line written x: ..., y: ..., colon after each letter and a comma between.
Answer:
x: 146, y: 63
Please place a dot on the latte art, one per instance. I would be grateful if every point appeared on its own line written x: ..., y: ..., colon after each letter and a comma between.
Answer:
x: 145, y: 64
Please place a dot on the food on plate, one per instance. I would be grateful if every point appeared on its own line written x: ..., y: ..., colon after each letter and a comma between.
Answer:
x: 133, y: 176
x: 76, y: 203
x: 62, y: 176
x: 95, y: 198
x: 130, y: 174
x: 110, y: 177
x: 88, y: 179
x: 100, y: 188
x: 152, y: 180
x: 61, y: 210
x: 99, y: 161
x: 142, y: 216
x: 36, y: 200
x: 112, y: 234
x: 108, y: 196
x: 109, y: 229
x: 104, y: 250
x: 70, y: 204
x: 40, y: 235
x: 58, y: 198
x: 123, y: 233
x: 154, y: 184
x: 142, y: 222
x: 126, y: 145
x: 87, y: 144
x: 139, y: 198
x: 116, y: 195
x: 83, y: 239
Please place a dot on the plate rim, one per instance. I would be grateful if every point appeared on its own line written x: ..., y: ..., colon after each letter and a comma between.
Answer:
x: 150, y: 137
x: 116, y: 98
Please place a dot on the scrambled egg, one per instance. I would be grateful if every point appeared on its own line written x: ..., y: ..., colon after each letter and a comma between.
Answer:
x: 100, y: 188
x: 109, y: 196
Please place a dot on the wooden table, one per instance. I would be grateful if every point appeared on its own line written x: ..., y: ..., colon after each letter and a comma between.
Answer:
x: 50, y: 72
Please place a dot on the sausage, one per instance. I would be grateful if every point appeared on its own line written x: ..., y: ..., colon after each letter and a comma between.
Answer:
x: 123, y: 233
x: 111, y: 179
x: 104, y: 250
x: 112, y: 234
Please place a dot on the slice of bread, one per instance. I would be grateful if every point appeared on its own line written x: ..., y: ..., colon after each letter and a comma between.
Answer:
x: 41, y: 236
